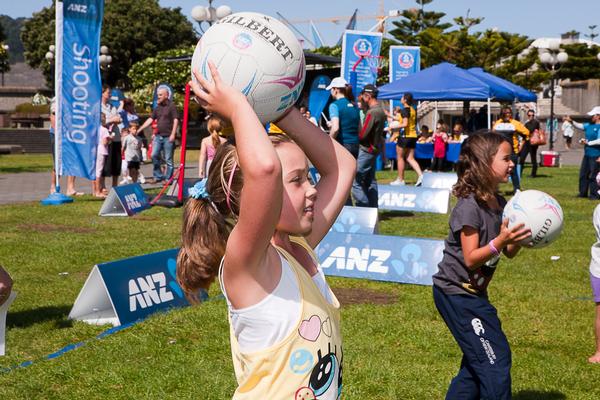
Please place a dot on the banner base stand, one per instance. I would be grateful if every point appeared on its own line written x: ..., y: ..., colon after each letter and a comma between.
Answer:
x: 167, y: 201
x: 56, y: 199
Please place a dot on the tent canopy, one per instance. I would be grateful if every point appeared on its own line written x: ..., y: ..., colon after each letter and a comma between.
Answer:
x: 519, y: 92
x: 443, y: 81
x: 446, y: 81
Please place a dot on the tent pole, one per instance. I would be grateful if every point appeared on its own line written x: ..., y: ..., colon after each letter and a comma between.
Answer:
x: 489, y: 104
x: 435, y: 116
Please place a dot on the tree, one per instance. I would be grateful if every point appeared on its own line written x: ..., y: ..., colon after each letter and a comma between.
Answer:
x: 2, y: 34
x: 415, y: 21
x: 132, y: 30
x: 12, y: 31
x: 582, y: 63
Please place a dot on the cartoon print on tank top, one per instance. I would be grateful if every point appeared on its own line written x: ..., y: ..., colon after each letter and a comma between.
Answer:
x: 325, y: 382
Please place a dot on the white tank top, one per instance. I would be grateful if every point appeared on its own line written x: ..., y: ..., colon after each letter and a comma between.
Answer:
x: 272, y: 319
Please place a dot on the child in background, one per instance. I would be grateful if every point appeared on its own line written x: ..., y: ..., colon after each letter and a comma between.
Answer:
x: 424, y: 135
x: 472, y: 250
x: 132, y: 147
x: 254, y: 224
x: 595, y: 281
x: 104, y: 138
x: 440, y: 138
x: 124, y: 170
x: 209, y: 145
x: 458, y: 133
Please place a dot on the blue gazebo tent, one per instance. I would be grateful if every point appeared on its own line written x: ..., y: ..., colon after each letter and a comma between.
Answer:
x: 444, y: 82
x: 519, y: 93
x: 447, y: 82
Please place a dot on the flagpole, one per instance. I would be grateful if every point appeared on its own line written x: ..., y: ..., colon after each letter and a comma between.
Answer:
x: 57, y: 198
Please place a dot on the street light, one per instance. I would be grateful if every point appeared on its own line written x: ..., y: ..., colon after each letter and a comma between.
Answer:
x: 209, y: 14
x: 552, y: 58
x: 4, y: 61
x: 105, y: 60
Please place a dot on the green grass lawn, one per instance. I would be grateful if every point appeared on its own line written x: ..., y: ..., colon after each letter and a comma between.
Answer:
x: 398, y: 350
x: 15, y: 163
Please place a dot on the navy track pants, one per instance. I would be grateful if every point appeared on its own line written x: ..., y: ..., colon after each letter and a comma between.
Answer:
x: 485, y: 367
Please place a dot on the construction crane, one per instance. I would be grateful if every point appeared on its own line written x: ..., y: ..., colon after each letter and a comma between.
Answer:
x: 381, y: 17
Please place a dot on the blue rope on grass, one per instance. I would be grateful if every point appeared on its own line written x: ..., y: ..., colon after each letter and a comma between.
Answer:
x: 77, y: 345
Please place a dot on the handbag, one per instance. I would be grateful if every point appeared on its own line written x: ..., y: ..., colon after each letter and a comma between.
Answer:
x: 538, y: 138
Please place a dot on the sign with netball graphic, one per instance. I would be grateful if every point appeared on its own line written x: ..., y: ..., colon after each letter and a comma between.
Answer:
x: 360, y: 54
x: 379, y: 257
x: 411, y: 198
x: 404, y: 61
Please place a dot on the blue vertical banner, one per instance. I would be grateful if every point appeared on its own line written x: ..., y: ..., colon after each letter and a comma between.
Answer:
x: 79, y: 89
x: 404, y: 61
x: 357, y: 45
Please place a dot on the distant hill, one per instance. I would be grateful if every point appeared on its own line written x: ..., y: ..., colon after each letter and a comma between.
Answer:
x: 12, y: 30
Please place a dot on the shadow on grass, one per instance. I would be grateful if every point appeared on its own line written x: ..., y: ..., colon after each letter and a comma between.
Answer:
x: 26, y: 318
x: 538, y: 395
x: 387, y: 215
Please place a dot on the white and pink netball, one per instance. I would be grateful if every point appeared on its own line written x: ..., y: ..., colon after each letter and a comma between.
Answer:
x: 540, y: 212
x: 258, y: 55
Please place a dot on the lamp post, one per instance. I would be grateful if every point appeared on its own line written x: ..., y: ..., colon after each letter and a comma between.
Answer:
x: 50, y: 58
x: 4, y: 61
x: 552, y: 58
x: 105, y: 60
x: 209, y: 14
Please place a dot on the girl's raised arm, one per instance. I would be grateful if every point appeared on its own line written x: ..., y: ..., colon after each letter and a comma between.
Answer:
x: 261, y: 196
x: 335, y: 164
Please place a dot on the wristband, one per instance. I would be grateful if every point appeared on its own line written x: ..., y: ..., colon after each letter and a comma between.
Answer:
x: 493, y: 248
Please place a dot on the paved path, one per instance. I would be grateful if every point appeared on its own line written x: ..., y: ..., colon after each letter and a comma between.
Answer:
x: 35, y: 186
x: 29, y: 186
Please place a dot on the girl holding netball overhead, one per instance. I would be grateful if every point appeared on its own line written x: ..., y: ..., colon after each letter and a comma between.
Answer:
x: 477, y: 237
x: 253, y: 224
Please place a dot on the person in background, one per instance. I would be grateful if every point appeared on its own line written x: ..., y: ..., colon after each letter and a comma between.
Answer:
x: 98, y: 187
x: 364, y: 188
x: 407, y: 141
x: 344, y: 116
x: 588, y: 187
x: 112, y: 167
x: 312, y: 119
x: 528, y: 148
x: 458, y: 134
x: 209, y: 145
x: 554, y: 128
x: 439, y: 138
x: 595, y: 282
x: 165, y: 114
x: 567, y: 131
x: 132, y: 146
x: 425, y: 135
x: 70, y: 179
x: 511, y: 130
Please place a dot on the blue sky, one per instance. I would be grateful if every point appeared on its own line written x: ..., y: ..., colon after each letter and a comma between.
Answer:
x: 534, y: 18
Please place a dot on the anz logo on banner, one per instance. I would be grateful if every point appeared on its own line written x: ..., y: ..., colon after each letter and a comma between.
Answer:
x: 126, y: 290
x: 410, y: 198
x: 379, y: 257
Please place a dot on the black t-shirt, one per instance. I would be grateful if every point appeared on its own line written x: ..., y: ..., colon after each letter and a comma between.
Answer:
x: 453, y: 276
x: 532, y: 126
x: 164, y: 114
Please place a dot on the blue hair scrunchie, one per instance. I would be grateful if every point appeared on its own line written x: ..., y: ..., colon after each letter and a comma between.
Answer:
x: 198, y: 191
